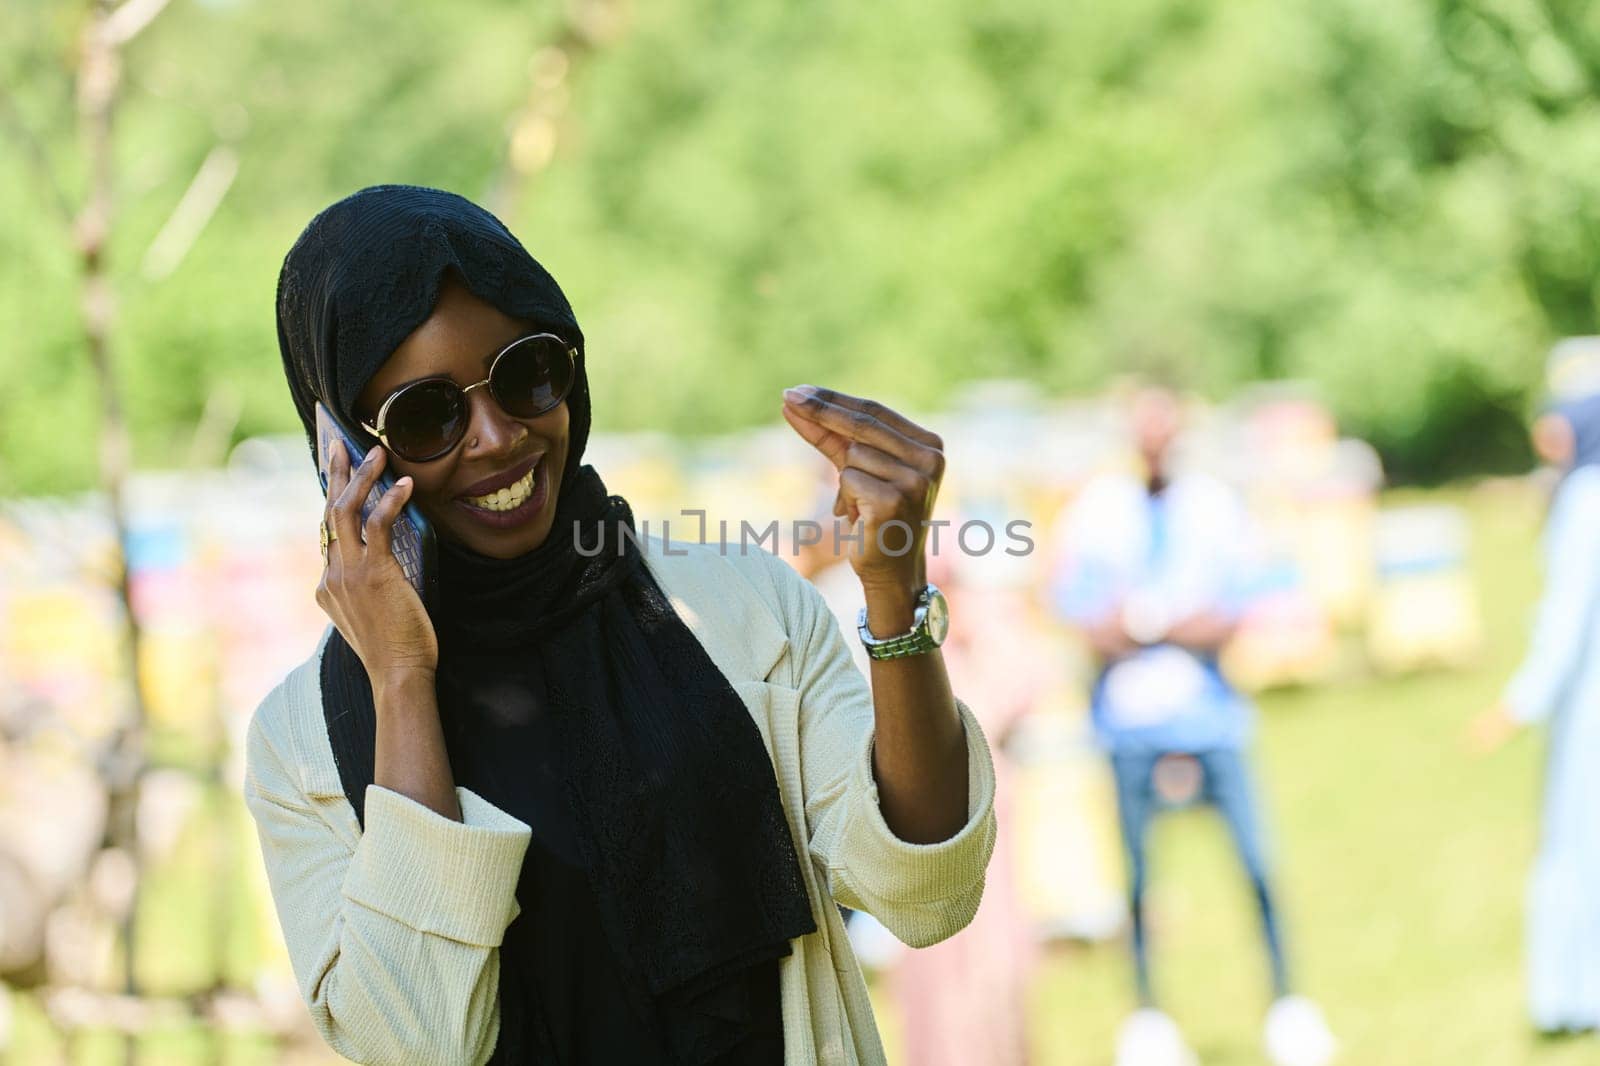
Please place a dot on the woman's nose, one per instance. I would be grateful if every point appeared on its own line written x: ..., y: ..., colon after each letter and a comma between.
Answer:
x: 491, y: 431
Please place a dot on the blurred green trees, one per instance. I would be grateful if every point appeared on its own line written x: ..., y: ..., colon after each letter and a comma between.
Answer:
x: 1396, y: 199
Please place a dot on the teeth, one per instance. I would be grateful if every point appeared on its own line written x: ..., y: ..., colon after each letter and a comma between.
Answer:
x: 509, y: 498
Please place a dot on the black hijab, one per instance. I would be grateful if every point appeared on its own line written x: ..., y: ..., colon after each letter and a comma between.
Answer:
x: 572, y: 695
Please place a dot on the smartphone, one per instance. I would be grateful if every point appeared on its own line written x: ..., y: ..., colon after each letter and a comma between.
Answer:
x: 412, y: 537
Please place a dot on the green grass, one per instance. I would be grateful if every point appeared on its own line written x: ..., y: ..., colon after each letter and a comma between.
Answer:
x: 1401, y: 857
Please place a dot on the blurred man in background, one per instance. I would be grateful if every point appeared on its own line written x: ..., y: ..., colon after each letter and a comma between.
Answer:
x: 1155, y: 576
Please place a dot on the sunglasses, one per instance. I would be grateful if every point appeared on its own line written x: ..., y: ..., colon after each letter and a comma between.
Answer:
x: 425, y: 419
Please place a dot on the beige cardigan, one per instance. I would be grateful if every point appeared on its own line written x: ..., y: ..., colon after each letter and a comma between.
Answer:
x: 394, y: 933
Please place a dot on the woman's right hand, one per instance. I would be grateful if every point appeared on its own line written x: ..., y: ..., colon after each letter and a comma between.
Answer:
x: 363, y: 588
x: 1492, y: 729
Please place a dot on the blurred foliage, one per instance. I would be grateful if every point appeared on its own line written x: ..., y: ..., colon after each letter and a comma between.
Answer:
x: 1395, y: 199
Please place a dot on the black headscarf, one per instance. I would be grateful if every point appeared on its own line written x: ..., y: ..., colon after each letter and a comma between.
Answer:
x: 571, y: 694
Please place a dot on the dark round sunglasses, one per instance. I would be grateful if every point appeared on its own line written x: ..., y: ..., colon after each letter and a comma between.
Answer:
x: 423, y: 420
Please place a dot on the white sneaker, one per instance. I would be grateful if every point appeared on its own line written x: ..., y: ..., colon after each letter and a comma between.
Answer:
x: 1150, y: 1038
x: 1297, y: 1035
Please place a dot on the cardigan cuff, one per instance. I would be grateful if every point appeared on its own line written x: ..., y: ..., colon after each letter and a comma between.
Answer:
x: 925, y: 873
x: 1525, y: 700
x: 452, y: 879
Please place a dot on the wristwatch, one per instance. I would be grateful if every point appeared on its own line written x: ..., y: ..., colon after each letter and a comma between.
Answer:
x: 929, y: 625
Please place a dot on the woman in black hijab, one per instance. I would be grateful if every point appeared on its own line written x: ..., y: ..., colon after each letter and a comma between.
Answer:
x: 554, y: 695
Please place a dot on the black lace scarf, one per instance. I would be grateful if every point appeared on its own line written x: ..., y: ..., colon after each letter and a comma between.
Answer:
x: 661, y: 777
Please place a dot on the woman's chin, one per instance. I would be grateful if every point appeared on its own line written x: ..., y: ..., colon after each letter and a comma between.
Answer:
x: 500, y: 544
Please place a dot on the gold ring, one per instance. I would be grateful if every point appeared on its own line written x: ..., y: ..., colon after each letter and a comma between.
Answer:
x: 328, y: 537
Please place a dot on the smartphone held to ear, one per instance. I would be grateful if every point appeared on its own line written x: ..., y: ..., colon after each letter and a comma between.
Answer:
x: 412, y: 536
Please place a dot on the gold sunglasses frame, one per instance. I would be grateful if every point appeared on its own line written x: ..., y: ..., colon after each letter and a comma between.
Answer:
x: 381, y: 432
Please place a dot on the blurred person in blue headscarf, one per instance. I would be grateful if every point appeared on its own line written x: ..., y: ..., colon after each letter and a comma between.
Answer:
x: 1559, y: 683
x: 1156, y: 572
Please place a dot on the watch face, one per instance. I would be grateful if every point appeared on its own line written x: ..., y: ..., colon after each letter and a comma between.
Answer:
x: 938, y: 616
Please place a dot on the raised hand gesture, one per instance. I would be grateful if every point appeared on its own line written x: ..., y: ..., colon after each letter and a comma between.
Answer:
x: 889, y: 472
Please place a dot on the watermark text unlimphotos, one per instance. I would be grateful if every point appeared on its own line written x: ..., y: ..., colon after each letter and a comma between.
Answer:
x: 894, y: 537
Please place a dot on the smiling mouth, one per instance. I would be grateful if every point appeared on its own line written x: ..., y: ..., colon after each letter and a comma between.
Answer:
x: 511, y: 496
x: 513, y: 505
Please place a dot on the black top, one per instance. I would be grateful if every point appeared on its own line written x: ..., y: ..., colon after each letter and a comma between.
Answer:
x: 581, y: 1014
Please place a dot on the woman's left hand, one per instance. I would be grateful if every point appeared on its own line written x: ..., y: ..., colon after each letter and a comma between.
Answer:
x: 889, y: 472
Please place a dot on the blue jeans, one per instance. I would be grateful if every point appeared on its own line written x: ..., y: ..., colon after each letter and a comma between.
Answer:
x: 1226, y: 785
